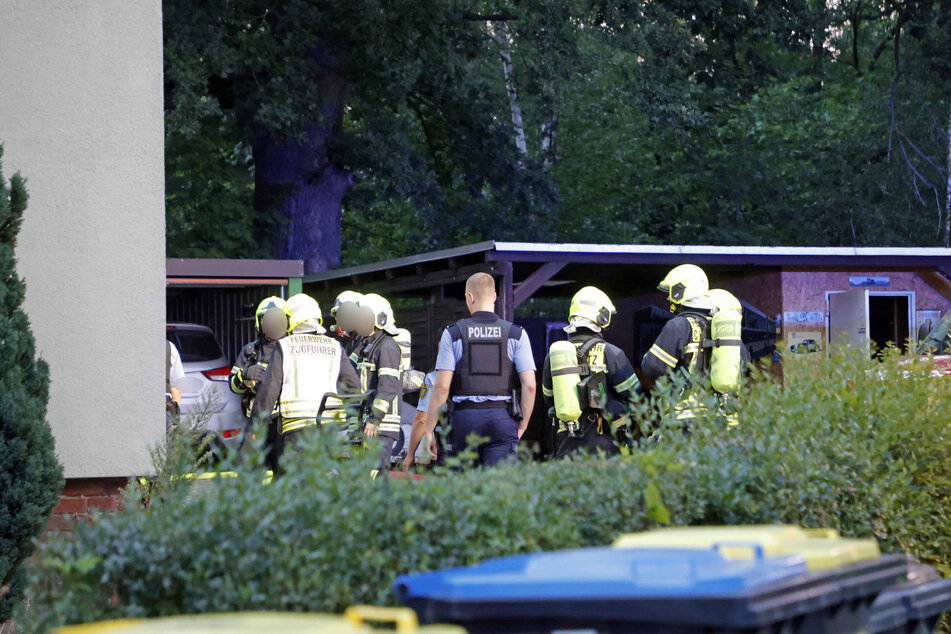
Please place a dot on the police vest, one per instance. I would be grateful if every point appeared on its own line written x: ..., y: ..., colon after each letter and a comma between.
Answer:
x: 311, y: 368
x: 485, y: 368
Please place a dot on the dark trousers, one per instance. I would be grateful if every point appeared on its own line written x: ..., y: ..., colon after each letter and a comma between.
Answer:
x: 274, y: 445
x: 294, y: 440
x: 496, y: 424
x: 387, y: 443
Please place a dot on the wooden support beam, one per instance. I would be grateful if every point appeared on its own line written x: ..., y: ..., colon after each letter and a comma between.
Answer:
x: 535, y: 281
x: 506, y: 291
x: 937, y: 281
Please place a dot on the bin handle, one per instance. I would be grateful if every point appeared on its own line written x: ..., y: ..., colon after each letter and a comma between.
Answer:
x: 404, y: 618
x: 822, y: 533
x: 753, y: 546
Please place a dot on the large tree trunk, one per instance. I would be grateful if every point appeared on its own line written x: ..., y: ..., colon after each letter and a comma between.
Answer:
x: 947, y: 193
x: 300, y: 181
x: 297, y: 180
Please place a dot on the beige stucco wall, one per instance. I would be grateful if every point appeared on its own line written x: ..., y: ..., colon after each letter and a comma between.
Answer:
x: 81, y: 116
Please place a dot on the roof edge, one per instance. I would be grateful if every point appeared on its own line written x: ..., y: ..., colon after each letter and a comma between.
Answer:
x: 469, y: 249
x: 211, y: 267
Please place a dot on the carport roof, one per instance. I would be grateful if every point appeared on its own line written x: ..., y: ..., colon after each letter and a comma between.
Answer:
x: 425, y: 268
x: 215, y: 272
x: 529, y: 270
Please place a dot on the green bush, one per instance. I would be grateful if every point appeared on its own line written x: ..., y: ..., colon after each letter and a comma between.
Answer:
x: 30, y: 476
x: 853, y: 444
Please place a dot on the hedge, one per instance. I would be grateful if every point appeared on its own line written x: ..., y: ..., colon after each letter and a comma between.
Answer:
x: 858, y: 445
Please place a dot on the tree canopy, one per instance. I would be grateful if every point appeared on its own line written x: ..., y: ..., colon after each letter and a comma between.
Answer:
x: 351, y: 132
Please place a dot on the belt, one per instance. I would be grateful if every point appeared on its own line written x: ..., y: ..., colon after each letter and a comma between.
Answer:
x: 461, y: 405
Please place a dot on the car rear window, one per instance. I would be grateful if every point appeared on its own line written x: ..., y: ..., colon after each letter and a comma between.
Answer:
x: 195, y: 345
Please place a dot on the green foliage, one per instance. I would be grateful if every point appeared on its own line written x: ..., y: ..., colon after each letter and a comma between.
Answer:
x: 845, y: 442
x: 718, y: 122
x: 688, y: 121
x: 407, y: 96
x: 380, y: 226
x: 246, y: 543
x: 209, y: 192
x: 31, y: 478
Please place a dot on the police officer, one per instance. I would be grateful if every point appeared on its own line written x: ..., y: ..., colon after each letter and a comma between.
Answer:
x: 679, y: 347
x: 481, y: 360
x: 380, y: 374
x: 417, y: 425
x: 305, y: 366
x: 344, y: 312
x: 271, y: 325
x: 608, y: 384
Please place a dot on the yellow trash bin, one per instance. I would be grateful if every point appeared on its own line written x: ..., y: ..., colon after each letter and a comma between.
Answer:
x: 354, y: 621
x: 822, y: 549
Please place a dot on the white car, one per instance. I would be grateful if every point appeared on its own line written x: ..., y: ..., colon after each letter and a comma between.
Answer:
x: 205, y: 385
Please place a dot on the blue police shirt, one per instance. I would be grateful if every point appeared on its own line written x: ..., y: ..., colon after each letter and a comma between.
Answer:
x: 426, y: 391
x: 450, y: 352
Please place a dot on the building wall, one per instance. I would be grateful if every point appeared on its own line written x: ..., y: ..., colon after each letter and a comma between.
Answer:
x: 763, y: 291
x: 81, y: 117
x: 804, y: 290
x: 81, y: 497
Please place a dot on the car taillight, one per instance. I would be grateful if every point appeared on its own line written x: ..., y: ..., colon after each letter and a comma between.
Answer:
x: 230, y: 433
x: 218, y: 374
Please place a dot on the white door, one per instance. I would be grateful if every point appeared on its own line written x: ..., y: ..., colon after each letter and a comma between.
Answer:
x: 848, y: 318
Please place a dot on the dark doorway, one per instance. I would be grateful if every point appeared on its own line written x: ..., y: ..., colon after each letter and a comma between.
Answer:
x: 888, y: 321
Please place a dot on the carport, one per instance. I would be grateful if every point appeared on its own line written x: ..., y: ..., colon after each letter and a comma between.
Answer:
x: 785, y: 290
x: 780, y: 286
x: 222, y: 294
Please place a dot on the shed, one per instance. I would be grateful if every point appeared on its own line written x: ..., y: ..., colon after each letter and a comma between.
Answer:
x: 222, y: 294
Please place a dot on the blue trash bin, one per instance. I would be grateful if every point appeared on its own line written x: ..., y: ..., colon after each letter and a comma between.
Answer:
x: 661, y: 591
x: 913, y: 607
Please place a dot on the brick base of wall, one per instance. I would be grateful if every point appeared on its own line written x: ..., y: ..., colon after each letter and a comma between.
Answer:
x: 82, y: 496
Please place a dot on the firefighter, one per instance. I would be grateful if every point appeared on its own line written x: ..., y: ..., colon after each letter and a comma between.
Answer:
x: 689, y: 346
x: 305, y: 366
x: 270, y: 321
x: 588, y: 384
x: 481, y: 361
x: 379, y: 366
x: 678, y: 348
x: 344, y: 312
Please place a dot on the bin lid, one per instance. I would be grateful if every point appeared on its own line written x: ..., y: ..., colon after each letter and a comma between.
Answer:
x: 244, y: 623
x: 822, y: 549
x: 604, y: 573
